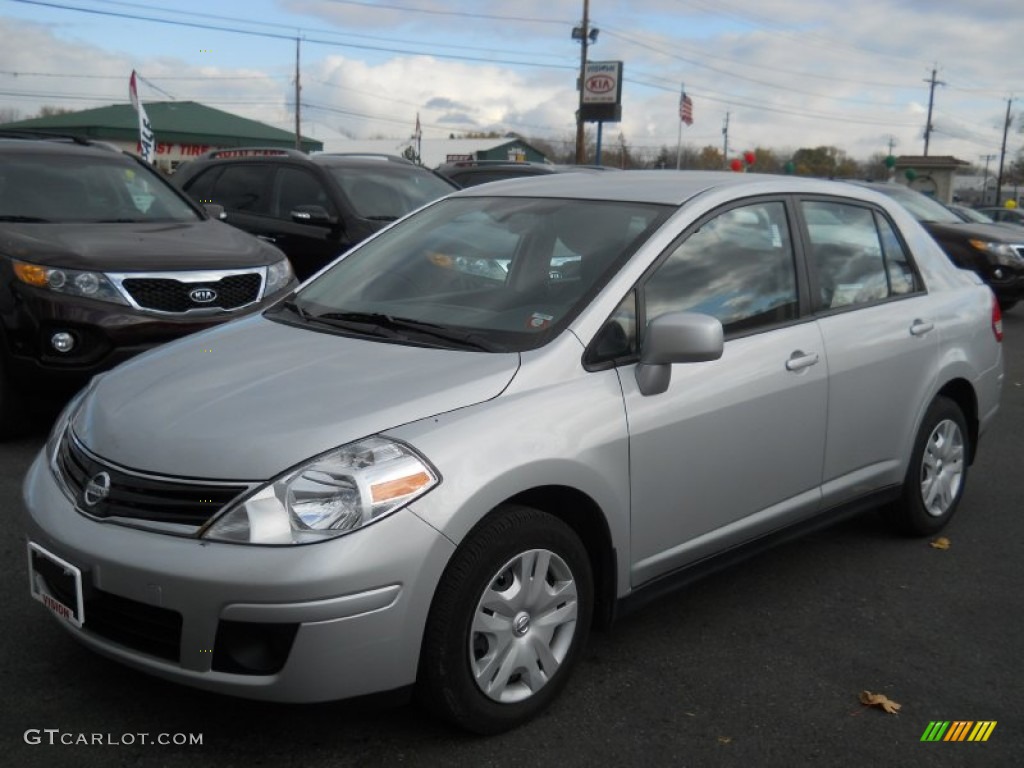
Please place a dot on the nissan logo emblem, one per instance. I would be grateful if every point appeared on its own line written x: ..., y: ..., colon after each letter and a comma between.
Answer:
x: 97, y: 489
x: 202, y: 295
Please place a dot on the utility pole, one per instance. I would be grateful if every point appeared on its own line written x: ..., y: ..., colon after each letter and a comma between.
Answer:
x: 725, y: 141
x: 1002, y: 152
x: 931, y: 102
x: 298, y: 89
x: 984, y: 184
x: 892, y: 143
x: 581, y: 149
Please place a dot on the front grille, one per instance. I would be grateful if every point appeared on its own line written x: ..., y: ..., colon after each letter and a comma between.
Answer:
x: 145, y: 628
x: 170, y: 295
x: 138, y: 496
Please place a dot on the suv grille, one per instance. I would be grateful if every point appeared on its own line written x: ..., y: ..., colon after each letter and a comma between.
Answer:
x: 171, y: 295
x: 134, y: 496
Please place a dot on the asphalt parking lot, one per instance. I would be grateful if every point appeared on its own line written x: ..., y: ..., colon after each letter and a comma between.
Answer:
x: 760, y: 665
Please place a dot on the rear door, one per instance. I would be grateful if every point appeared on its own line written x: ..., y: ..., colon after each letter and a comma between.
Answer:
x: 880, y: 341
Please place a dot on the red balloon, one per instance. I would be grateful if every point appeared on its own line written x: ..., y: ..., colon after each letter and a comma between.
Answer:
x: 736, y: 164
x: 750, y: 157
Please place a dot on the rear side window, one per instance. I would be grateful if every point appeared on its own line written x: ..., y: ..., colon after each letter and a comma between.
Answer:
x: 737, y: 267
x: 857, y: 256
x: 244, y: 188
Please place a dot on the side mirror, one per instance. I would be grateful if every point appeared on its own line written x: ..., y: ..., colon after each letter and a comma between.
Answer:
x: 215, y: 211
x: 311, y: 214
x: 676, y: 337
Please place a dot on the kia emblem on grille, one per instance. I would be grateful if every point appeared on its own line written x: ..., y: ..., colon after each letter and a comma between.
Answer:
x: 97, y: 489
x: 202, y: 295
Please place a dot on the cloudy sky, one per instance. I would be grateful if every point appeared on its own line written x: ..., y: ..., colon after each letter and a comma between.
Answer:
x: 789, y: 73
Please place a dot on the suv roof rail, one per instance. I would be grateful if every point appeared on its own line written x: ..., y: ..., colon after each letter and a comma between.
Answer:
x: 28, y: 133
x: 232, y: 152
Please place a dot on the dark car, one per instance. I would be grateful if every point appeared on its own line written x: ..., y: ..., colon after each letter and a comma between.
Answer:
x: 100, y: 259
x: 312, y: 207
x: 1005, y: 215
x: 995, y: 252
x: 469, y: 173
x: 970, y: 214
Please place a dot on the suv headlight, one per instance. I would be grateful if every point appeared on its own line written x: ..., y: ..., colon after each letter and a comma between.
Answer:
x: 279, y: 275
x: 1004, y: 253
x: 328, y: 496
x: 73, y: 282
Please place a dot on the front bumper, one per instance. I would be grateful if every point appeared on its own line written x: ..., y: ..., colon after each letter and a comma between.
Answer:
x: 353, y: 608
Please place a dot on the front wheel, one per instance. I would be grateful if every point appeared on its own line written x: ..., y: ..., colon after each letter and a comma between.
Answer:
x: 508, y: 622
x: 937, y: 473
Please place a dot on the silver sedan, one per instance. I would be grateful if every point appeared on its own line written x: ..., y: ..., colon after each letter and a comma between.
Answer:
x: 510, y: 416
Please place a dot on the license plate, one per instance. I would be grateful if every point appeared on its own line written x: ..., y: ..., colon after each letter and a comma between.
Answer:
x: 56, y: 583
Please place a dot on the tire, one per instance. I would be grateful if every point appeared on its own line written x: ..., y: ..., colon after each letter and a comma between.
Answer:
x: 937, y: 473
x: 487, y: 624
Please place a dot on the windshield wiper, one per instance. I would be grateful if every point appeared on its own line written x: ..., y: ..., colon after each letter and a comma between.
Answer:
x: 399, y: 324
x: 26, y: 219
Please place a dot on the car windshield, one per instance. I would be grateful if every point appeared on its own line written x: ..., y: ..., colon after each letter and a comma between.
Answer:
x: 64, y: 188
x: 492, y: 273
x: 921, y: 207
x: 390, y: 191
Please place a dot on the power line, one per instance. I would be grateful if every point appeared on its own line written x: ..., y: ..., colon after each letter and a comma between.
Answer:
x: 291, y: 37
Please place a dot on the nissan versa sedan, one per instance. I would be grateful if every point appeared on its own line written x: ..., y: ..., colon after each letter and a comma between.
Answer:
x: 438, y: 464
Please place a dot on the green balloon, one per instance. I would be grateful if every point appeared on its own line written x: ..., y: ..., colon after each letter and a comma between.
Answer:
x: 890, y: 161
x: 790, y: 167
x: 910, y: 173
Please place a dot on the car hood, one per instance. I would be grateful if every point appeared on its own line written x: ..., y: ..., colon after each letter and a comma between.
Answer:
x: 133, y: 247
x: 249, y: 399
x: 996, y: 233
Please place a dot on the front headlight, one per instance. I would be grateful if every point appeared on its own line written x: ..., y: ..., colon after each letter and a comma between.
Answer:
x: 279, y: 275
x: 329, y: 496
x: 73, y: 282
x: 1005, y: 254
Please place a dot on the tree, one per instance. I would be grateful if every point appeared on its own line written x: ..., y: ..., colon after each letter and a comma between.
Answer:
x: 825, y: 162
x: 9, y: 115
x: 709, y: 159
x: 48, y: 111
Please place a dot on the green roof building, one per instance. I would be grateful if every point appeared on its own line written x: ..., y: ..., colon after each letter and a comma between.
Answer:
x: 183, y: 129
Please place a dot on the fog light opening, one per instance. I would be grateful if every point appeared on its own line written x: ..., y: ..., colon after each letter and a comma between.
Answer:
x: 251, y: 648
x: 62, y: 341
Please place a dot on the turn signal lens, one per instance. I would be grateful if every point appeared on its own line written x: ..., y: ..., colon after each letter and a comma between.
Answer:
x: 30, y: 273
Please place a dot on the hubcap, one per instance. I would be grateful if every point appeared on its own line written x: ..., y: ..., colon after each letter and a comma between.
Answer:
x: 523, y: 626
x: 942, y: 468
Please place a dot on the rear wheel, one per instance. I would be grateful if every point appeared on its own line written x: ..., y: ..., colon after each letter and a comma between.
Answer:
x: 938, y: 471
x: 508, y: 622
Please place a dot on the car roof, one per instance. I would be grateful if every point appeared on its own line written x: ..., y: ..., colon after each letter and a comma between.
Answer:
x: 661, y: 186
x: 55, y: 145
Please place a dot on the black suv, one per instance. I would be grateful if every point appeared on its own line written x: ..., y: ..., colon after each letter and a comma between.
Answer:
x: 469, y: 173
x: 101, y: 258
x: 994, y: 251
x: 313, y: 207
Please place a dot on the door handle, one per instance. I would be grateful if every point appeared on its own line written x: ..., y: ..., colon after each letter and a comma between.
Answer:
x: 800, y: 360
x: 920, y: 327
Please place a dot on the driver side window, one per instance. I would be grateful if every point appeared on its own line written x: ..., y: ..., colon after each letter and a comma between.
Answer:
x: 737, y: 266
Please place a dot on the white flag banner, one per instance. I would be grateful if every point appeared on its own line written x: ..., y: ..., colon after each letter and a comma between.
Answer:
x: 146, y: 138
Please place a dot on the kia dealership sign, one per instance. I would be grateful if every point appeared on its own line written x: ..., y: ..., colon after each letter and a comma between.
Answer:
x: 601, y: 99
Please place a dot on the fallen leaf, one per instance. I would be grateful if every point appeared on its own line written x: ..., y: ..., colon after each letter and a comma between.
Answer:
x: 869, y: 699
x: 724, y: 739
x: 940, y: 543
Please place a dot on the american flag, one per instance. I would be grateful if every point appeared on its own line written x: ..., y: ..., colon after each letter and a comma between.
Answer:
x: 686, y: 108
